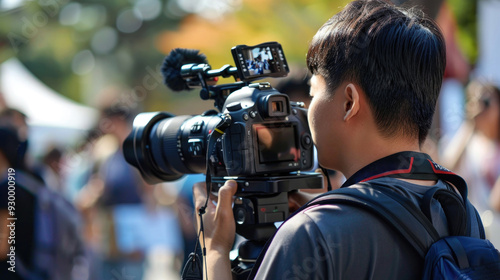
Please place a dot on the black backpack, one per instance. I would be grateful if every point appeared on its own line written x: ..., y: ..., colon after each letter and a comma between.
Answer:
x: 457, y: 256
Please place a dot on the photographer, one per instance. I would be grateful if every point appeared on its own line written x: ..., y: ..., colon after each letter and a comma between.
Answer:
x: 377, y: 72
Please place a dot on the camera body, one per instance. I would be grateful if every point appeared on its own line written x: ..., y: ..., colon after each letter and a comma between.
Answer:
x: 267, y: 135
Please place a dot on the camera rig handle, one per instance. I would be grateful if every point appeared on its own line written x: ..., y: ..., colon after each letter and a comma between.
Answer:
x: 202, y: 75
x: 219, y: 93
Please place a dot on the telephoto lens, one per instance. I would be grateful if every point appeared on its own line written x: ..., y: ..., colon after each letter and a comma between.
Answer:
x: 164, y: 147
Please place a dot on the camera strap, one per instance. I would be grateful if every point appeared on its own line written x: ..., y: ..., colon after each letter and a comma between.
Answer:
x: 192, y: 268
x: 408, y: 165
x: 327, y: 176
x: 403, y: 165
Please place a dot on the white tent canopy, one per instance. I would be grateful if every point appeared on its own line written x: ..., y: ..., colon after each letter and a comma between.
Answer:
x: 42, y: 105
x: 52, y: 118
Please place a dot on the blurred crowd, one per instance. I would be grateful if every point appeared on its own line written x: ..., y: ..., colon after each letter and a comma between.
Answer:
x: 84, y: 213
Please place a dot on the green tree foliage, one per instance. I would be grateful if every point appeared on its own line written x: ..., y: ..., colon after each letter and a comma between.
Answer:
x: 465, y: 12
x: 81, y: 47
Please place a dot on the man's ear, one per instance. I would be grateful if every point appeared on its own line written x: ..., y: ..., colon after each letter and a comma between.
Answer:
x: 351, y: 105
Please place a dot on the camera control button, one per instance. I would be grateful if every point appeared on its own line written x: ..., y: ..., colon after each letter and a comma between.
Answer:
x: 240, y: 216
x: 307, y: 141
x: 197, y: 127
x: 253, y: 114
x: 195, y: 147
x: 245, y: 117
x: 233, y: 107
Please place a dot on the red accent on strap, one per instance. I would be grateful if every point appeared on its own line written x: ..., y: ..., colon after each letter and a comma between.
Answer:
x: 439, y: 171
x: 399, y: 171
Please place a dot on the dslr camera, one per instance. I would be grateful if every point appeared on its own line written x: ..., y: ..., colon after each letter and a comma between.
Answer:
x: 257, y: 136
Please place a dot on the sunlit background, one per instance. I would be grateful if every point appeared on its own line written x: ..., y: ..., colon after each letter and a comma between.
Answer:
x: 60, y: 58
x: 79, y: 49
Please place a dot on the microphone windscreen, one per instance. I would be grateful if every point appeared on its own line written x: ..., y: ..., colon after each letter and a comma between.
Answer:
x: 171, y: 68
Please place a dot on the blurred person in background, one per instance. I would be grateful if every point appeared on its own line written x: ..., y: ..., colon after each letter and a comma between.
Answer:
x: 126, y: 225
x: 495, y: 197
x: 50, y: 169
x: 25, y: 214
x: 46, y: 243
x: 18, y: 120
x: 474, y: 152
x: 451, y: 100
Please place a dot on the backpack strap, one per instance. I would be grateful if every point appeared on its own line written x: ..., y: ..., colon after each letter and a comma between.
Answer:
x: 402, y: 214
x: 477, y: 222
x: 458, y: 251
x: 385, y: 206
x: 453, y: 207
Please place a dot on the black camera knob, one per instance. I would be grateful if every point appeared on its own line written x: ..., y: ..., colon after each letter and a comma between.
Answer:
x: 307, y: 141
x: 240, y: 216
x: 204, y: 94
x: 233, y: 107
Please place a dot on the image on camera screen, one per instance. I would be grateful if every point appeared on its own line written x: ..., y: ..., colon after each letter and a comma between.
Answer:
x: 277, y: 144
x: 259, y: 61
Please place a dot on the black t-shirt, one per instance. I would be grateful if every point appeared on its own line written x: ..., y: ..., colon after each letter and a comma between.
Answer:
x: 24, y: 226
x: 344, y: 242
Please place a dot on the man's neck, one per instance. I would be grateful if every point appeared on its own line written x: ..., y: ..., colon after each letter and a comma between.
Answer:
x: 378, y: 148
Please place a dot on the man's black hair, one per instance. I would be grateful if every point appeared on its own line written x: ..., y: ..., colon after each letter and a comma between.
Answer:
x: 396, y: 55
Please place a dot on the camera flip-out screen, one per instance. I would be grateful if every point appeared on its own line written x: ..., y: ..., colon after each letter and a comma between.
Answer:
x: 260, y: 61
x: 276, y: 143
